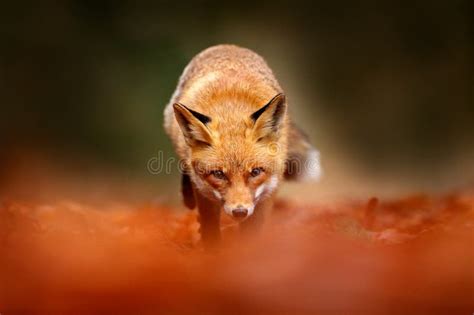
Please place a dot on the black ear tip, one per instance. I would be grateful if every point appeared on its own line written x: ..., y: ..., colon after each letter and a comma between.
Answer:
x: 201, y: 117
x: 280, y: 98
x: 179, y: 108
x: 281, y: 101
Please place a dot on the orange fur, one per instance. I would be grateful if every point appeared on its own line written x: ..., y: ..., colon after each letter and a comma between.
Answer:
x: 228, y: 114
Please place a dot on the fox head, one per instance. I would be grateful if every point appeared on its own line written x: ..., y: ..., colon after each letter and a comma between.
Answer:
x: 237, y: 155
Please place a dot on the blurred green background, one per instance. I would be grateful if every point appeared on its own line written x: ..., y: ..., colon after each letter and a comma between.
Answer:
x: 382, y: 88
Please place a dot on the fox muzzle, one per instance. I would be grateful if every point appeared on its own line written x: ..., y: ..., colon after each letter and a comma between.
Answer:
x: 239, y: 212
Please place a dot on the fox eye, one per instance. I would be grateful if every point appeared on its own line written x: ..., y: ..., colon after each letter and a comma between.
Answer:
x: 256, y: 171
x: 218, y: 174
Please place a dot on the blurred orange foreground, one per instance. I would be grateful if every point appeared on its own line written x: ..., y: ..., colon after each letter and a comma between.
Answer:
x: 408, y: 256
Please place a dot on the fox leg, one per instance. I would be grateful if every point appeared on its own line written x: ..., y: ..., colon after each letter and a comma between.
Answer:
x: 255, y: 222
x: 209, y: 218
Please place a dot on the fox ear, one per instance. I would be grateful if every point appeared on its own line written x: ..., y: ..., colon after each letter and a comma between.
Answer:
x: 193, y: 125
x: 267, y: 120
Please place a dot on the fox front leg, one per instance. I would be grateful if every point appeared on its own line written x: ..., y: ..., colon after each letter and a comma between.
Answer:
x: 209, y: 218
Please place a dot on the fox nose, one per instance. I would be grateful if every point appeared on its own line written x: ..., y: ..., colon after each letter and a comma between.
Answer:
x: 239, y: 213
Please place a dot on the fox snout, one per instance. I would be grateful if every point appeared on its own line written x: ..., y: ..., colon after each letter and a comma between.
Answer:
x: 239, y: 211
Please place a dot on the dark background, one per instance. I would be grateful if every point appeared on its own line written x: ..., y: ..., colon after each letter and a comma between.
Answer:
x: 382, y: 88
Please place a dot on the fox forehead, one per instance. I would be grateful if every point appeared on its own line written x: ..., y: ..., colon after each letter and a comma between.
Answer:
x: 235, y: 149
x: 233, y: 157
x: 230, y: 129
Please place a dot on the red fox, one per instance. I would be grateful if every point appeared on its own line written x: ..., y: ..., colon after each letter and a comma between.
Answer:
x: 229, y: 124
